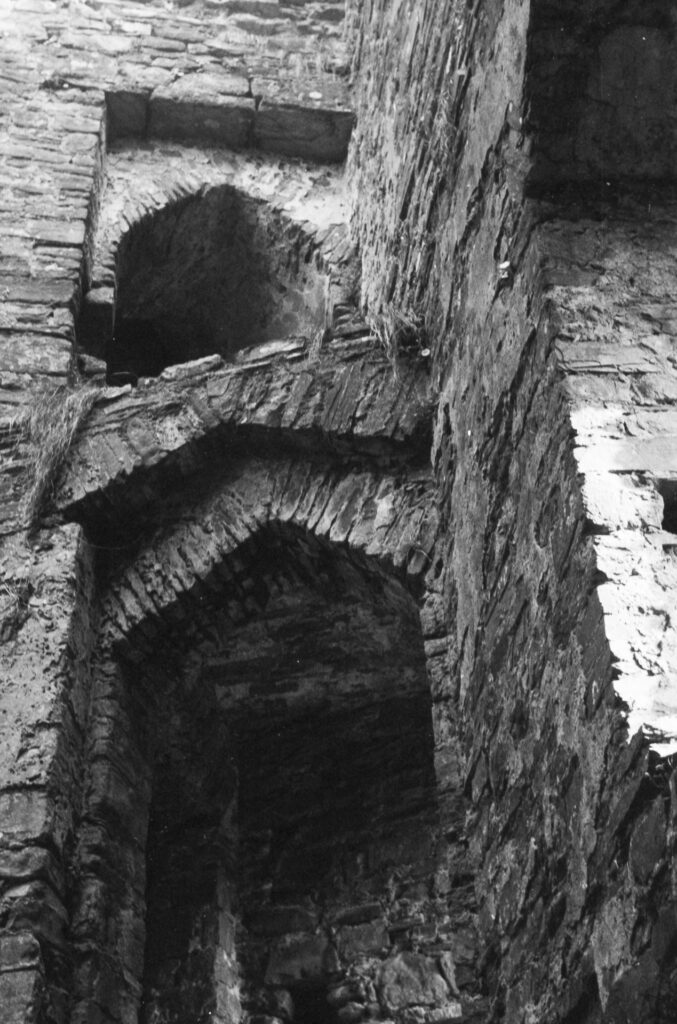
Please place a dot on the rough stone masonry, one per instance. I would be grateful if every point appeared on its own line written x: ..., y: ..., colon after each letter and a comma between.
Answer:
x: 338, y: 549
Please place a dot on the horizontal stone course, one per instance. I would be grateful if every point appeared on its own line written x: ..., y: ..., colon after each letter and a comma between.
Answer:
x: 294, y: 130
x: 228, y: 121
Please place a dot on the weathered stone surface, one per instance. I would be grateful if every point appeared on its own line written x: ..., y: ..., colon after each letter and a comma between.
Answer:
x: 350, y: 1013
x: 299, y: 131
x: 44, y: 354
x: 354, y: 940
x: 20, y: 951
x: 442, y: 1014
x: 360, y: 914
x: 498, y: 350
x: 20, y: 993
x: 298, y: 958
x: 549, y: 558
x: 410, y: 979
x: 647, y: 845
x: 350, y: 991
x: 178, y: 111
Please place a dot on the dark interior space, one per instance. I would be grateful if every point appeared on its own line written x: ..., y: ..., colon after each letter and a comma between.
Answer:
x: 668, y: 492
x: 211, y: 273
x: 337, y: 818
x: 294, y: 812
x: 195, y: 780
x: 311, y: 1006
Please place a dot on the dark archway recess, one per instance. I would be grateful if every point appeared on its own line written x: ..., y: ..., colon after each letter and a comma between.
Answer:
x: 597, y: 78
x: 293, y: 835
x: 337, y: 835
x: 322, y: 709
x: 212, y: 273
x: 187, y: 854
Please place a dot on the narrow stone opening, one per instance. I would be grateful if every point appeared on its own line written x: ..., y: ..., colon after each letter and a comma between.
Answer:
x: 211, y: 273
x: 668, y: 492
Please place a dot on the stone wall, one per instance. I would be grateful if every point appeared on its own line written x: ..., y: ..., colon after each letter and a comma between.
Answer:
x: 323, y: 889
x: 523, y: 351
x: 73, y: 78
x: 257, y: 244
x: 498, y: 842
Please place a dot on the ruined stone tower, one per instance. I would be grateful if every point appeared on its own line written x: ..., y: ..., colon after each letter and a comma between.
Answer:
x: 339, y: 515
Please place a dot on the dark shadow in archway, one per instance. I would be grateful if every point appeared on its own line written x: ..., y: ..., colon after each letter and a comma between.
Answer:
x: 597, y: 79
x: 261, y: 896
x: 214, y: 272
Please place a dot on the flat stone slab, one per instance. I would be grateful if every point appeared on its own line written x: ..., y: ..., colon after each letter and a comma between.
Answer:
x: 295, y: 130
x: 228, y: 121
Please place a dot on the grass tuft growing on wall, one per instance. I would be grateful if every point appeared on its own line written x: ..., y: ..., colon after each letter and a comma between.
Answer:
x: 400, y: 332
x: 48, y: 430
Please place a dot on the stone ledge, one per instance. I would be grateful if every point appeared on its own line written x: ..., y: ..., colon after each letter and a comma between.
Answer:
x: 295, y: 130
x: 235, y: 120
x: 346, y: 401
x: 227, y: 120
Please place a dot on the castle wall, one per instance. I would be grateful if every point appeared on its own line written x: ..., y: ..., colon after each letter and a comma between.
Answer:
x: 510, y: 169
x: 529, y: 336
x: 72, y: 79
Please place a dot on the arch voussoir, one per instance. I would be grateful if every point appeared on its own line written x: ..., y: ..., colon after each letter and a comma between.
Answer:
x: 370, y: 515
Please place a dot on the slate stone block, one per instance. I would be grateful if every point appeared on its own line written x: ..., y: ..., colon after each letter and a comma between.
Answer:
x: 291, y: 130
x: 411, y: 979
x: 226, y: 119
x: 19, y: 993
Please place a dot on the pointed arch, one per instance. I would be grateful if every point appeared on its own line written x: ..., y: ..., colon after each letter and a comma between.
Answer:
x: 280, y: 640
x: 388, y: 518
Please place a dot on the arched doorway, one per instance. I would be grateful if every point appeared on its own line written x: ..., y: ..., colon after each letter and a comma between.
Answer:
x: 267, y: 802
